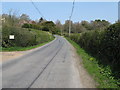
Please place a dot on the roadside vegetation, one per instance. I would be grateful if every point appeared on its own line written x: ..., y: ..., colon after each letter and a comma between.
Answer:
x: 25, y: 39
x: 23, y: 48
x: 43, y: 25
x: 28, y: 34
x: 102, y: 75
x: 100, y: 50
x: 97, y: 42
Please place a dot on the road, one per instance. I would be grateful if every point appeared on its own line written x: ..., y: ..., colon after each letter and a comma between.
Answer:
x: 51, y: 66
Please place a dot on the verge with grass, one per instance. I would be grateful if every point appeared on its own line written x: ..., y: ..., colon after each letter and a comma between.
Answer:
x: 102, y: 75
x: 25, y: 39
x: 23, y: 48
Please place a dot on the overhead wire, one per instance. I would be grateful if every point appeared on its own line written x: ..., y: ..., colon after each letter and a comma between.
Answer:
x: 37, y: 9
x: 71, y: 17
x: 72, y: 9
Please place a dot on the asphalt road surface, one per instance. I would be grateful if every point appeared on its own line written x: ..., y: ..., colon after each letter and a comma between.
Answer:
x: 51, y: 66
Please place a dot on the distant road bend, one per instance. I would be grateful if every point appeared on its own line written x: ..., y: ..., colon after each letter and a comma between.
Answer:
x: 52, y: 66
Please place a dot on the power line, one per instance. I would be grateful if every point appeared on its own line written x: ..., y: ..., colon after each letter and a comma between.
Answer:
x: 72, y: 9
x: 71, y: 17
x: 37, y: 9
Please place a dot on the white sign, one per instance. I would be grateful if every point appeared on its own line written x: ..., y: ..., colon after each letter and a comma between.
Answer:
x: 11, y: 36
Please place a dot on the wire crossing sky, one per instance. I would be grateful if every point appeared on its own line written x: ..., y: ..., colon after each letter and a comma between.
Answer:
x: 71, y: 17
x: 37, y: 9
x: 72, y: 9
x: 61, y: 10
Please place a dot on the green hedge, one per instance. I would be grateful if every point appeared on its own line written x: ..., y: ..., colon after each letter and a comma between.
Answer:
x: 23, y: 37
x: 104, y: 44
x: 33, y: 26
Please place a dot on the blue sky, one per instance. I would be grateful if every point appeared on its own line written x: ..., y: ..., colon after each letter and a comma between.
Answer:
x: 119, y: 11
x: 61, y: 10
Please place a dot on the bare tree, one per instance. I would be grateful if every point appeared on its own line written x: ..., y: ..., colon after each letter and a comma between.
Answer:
x: 24, y: 17
x: 59, y: 26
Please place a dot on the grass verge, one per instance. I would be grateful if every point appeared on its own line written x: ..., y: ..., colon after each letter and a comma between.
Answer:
x: 23, y: 48
x: 102, y: 75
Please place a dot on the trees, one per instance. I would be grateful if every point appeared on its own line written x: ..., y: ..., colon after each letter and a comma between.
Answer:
x: 86, y: 25
x: 23, y: 37
x: 33, y: 26
x: 24, y: 17
x: 78, y: 28
x: 66, y: 26
x: 59, y: 26
x: 40, y: 20
x: 99, y: 24
x: 82, y: 26
x: 103, y: 44
x: 10, y: 19
x: 49, y: 26
x: 25, y: 25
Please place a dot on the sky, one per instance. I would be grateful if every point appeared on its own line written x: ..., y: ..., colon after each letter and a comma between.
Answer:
x: 61, y: 10
x: 119, y: 10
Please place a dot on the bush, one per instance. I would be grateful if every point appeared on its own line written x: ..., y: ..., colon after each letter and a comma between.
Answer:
x: 51, y: 27
x: 33, y: 26
x: 103, y: 44
x: 26, y: 25
x: 23, y: 37
x: 111, y: 44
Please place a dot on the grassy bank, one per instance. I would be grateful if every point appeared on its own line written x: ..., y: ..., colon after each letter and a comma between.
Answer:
x: 24, y: 48
x: 102, y: 75
x: 25, y: 39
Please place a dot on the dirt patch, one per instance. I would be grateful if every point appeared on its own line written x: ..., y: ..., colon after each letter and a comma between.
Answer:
x: 11, y: 55
x: 87, y: 80
x: 4, y: 56
x: 14, y: 54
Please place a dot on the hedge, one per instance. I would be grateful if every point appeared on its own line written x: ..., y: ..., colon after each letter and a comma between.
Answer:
x: 23, y: 37
x: 103, y: 44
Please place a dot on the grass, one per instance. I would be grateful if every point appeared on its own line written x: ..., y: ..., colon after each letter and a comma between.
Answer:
x: 23, y: 48
x: 25, y: 39
x: 102, y: 75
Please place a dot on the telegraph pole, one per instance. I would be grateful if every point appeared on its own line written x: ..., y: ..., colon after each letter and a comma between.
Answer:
x: 69, y: 26
x: 70, y: 17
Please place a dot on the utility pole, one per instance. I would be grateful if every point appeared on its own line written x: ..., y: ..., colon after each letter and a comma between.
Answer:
x: 69, y: 26
x: 70, y: 17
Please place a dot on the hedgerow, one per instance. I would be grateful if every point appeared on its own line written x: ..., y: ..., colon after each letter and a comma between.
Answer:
x: 23, y: 37
x: 104, y: 45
